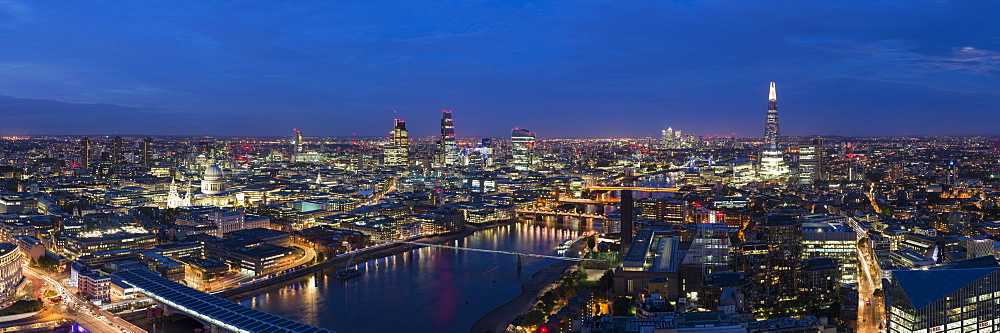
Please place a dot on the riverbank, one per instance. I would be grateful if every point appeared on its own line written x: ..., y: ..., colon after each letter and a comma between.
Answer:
x: 364, y: 255
x: 497, y: 320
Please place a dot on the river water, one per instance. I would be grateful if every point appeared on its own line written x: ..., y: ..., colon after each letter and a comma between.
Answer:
x: 426, y: 289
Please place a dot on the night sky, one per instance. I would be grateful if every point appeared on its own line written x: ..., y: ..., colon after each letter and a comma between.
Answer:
x: 561, y: 68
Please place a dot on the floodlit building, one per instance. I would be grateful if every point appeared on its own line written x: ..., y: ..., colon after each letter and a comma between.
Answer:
x: 11, y: 274
x: 522, y: 143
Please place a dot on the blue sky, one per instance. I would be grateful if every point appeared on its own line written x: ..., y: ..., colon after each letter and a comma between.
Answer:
x: 560, y: 68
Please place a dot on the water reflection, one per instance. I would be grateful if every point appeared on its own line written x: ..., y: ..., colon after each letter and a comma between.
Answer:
x: 426, y: 289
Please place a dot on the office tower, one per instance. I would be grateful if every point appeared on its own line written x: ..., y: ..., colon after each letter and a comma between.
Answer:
x: 960, y: 299
x: 116, y: 151
x: 627, y: 208
x: 398, y: 150
x: 772, y: 164
x: 147, y: 151
x: 522, y: 143
x: 667, y: 138
x: 297, y: 145
x: 811, y: 162
x: 447, y: 144
x: 85, y: 153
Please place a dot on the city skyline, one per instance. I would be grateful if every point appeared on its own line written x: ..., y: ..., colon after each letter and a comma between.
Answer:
x: 337, y: 69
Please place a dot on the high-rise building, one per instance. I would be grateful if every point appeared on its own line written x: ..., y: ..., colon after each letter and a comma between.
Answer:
x: 398, y: 150
x: 667, y: 138
x: 522, y: 142
x: 447, y: 145
x: 772, y: 132
x: 811, y: 162
x: 147, y: 151
x: 297, y: 145
x: 772, y: 164
x: 116, y: 151
x: 85, y: 153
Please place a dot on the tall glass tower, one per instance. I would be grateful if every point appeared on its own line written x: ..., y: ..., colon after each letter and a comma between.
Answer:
x: 772, y: 163
x: 447, y: 145
x: 772, y: 132
x: 398, y: 149
x: 297, y: 146
x: 523, y: 143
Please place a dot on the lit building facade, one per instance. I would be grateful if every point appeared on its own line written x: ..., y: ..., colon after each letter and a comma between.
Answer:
x: 447, y: 145
x: 522, y: 143
x: 811, y: 162
x: 772, y: 164
x: 832, y: 240
x: 397, y: 152
x: 11, y: 274
x: 944, y: 300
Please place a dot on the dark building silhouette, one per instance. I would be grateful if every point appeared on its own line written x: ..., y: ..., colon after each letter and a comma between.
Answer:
x: 147, y: 151
x: 85, y: 153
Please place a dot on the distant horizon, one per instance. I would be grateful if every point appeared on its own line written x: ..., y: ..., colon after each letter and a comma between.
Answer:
x: 460, y: 137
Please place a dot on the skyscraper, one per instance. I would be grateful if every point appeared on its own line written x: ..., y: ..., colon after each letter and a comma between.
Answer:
x: 116, y: 151
x: 85, y: 153
x: 811, y: 162
x: 147, y: 150
x: 772, y: 164
x: 398, y: 149
x: 772, y: 132
x: 522, y: 142
x: 297, y: 145
x: 447, y: 146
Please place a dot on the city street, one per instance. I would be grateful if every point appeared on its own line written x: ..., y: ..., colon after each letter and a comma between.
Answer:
x: 79, y: 310
x: 871, y: 317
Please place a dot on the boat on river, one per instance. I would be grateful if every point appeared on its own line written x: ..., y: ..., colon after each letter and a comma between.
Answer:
x: 347, y: 273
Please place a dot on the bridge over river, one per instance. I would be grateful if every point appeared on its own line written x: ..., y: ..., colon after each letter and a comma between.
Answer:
x: 218, y: 313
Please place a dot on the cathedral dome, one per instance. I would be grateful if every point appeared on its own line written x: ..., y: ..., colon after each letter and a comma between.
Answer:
x: 213, y: 171
x: 212, y: 183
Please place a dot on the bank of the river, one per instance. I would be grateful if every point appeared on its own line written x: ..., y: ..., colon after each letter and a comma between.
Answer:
x: 497, y: 320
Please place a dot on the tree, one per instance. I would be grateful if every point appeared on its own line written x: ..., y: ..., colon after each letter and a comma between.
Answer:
x: 623, y: 307
x: 592, y: 242
x: 878, y: 293
x: 533, y: 318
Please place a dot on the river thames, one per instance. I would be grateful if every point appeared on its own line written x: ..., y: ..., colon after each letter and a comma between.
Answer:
x: 426, y: 289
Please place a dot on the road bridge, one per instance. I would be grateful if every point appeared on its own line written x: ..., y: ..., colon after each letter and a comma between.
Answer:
x: 210, y: 309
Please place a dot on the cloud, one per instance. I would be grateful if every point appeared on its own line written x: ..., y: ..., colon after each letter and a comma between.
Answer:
x: 967, y: 59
